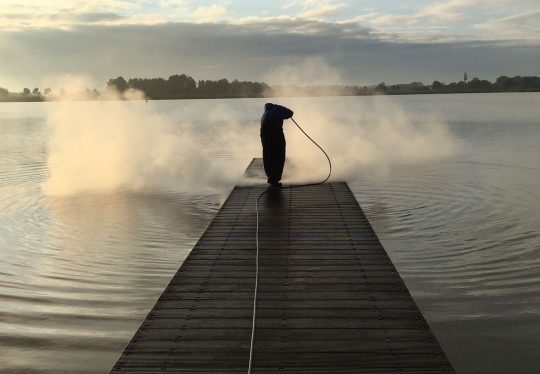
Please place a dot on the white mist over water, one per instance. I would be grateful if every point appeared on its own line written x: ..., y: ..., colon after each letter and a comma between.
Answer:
x: 129, y: 145
x: 361, y: 143
x: 110, y: 145
x: 357, y: 137
x: 308, y: 72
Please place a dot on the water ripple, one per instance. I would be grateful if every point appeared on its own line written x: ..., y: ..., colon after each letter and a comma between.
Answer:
x: 468, y: 231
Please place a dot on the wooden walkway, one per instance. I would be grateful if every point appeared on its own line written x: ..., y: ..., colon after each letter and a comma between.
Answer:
x: 330, y: 299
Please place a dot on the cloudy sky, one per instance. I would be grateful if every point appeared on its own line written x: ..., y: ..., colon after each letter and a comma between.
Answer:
x: 366, y: 41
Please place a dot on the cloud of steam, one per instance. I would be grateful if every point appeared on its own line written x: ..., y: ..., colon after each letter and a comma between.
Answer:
x: 99, y: 146
x: 71, y: 84
x: 310, y: 71
x: 312, y: 76
x: 362, y: 136
x: 358, y: 143
x: 109, y: 145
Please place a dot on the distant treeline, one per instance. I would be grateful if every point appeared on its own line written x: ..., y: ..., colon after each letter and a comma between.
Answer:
x: 502, y: 84
x: 185, y: 87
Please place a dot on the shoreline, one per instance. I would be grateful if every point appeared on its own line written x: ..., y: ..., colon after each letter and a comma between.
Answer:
x: 197, y: 97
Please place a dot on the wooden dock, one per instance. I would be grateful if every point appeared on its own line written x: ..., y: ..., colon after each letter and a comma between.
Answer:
x: 330, y: 300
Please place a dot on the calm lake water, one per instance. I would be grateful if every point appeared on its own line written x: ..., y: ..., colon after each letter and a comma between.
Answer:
x: 79, y: 272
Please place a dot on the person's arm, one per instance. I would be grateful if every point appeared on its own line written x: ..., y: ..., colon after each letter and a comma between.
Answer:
x: 284, y: 113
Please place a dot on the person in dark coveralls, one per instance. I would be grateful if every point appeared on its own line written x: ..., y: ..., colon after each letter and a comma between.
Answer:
x: 273, y: 141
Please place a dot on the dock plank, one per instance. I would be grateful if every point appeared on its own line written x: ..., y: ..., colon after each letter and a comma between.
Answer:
x: 330, y: 300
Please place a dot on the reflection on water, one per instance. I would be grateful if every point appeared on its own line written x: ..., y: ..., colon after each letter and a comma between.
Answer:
x: 468, y: 247
x: 84, y: 274
x: 79, y: 273
x: 465, y: 235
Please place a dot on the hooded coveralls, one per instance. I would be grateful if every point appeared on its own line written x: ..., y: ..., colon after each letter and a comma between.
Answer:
x: 273, y: 140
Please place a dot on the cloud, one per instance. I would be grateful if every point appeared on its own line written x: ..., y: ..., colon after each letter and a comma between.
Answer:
x: 322, y: 12
x: 173, y: 3
x: 60, y: 14
x: 517, y: 26
x: 436, y: 12
x: 285, y: 25
x: 425, y: 21
x: 96, y: 17
x: 314, y: 9
x: 454, y: 20
x: 249, y: 49
x: 452, y: 10
x: 53, y: 14
x: 211, y: 12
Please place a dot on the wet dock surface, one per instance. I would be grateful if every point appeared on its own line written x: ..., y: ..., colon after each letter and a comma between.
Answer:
x: 329, y: 301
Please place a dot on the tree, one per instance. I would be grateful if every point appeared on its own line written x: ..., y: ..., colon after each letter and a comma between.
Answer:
x: 36, y: 92
x: 4, y: 93
x: 436, y: 85
x: 418, y: 86
x: 181, y: 84
x: 47, y: 91
x: 26, y: 91
x: 530, y: 83
x: 119, y: 83
x: 479, y: 85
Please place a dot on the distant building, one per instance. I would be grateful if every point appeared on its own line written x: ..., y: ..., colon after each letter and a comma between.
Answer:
x: 465, y: 77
